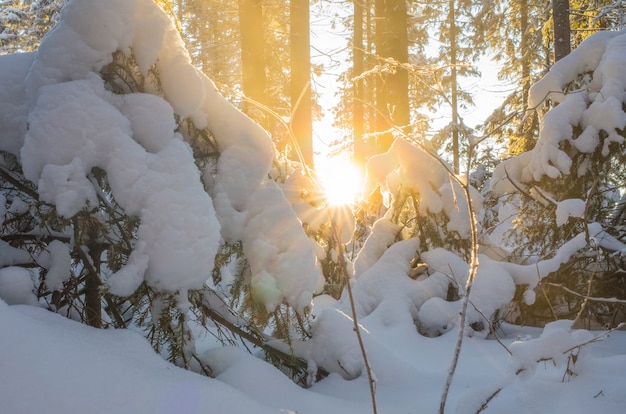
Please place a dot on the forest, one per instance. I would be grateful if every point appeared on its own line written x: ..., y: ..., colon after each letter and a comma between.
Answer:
x: 265, y: 206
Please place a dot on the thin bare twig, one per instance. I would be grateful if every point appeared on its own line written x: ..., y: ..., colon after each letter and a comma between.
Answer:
x: 488, y: 400
x: 468, y: 289
x: 357, y: 328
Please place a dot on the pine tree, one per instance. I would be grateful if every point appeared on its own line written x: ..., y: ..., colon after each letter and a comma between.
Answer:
x: 580, y: 193
x: 457, y: 48
x: 513, y: 31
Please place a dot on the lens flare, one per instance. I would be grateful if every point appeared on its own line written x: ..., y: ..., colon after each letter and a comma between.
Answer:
x: 340, y: 180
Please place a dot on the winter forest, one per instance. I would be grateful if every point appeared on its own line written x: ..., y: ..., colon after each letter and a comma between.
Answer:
x: 250, y: 206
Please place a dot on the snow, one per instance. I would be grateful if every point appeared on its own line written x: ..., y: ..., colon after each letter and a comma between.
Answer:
x: 383, y: 234
x: 13, y: 100
x: 75, y: 125
x: 56, y: 260
x: 177, y: 228
x: 408, y: 323
x: 43, y: 371
x: 573, y: 207
x: 16, y: 286
x: 597, y: 102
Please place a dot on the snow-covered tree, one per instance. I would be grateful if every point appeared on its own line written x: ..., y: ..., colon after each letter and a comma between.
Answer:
x: 23, y: 23
x: 573, y: 181
x: 136, y: 194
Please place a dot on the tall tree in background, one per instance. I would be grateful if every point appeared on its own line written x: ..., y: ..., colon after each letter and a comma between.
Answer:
x: 392, y: 94
x: 454, y: 89
x: 513, y: 31
x: 397, y: 47
x: 24, y: 22
x: 562, y: 33
x: 360, y: 152
x: 254, y: 80
x: 389, y: 74
x: 301, y: 105
x: 211, y: 33
x: 457, y: 52
x: 241, y: 45
x: 524, y: 38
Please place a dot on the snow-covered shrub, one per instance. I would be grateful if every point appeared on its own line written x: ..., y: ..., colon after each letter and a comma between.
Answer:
x: 138, y: 195
x: 418, y: 252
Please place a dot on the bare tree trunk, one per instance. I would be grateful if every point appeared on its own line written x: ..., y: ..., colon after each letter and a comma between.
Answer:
x: 392, y: 96
x: 360, y: 149
x: 454, y: 88
x: 398, y: 49
x: 562, y: 35
x: 301, y: 107
x: 381, y: 103
x: 254, y: 79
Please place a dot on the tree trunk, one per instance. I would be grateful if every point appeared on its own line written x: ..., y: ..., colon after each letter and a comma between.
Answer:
x: 562, y: 38
x: 360, y: 149
x: 93, y: 297
x: 392, y: 96
x: 524, y: 52
x: 454, y: 88
x: 301, y: 108
x: 382, y: 114
x: 398, y: 49
x: 254, y: 80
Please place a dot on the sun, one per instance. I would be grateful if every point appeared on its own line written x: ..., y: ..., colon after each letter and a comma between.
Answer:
x: 340, y: 180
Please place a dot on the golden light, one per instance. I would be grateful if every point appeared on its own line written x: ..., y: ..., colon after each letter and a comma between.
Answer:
x: 339, y: 179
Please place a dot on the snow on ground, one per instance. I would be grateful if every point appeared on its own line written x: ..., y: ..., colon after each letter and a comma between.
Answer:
x: 54, y: 365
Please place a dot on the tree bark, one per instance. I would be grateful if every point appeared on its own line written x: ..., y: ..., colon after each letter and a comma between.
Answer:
x: 454, y: 87
x: 398, y: 49
x: 301, y: 107
x: 392, y: 96
x: 380, y: 41
x: 360, y: 149
x: 562, y: 33
x: 254, y: 80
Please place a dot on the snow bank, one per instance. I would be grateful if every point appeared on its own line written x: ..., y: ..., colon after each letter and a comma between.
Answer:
x: 43, y: 370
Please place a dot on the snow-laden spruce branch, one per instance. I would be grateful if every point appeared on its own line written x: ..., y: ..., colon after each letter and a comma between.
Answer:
x: 464, y: 184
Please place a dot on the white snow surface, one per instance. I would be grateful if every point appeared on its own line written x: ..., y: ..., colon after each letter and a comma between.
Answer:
x: 43, y: 370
